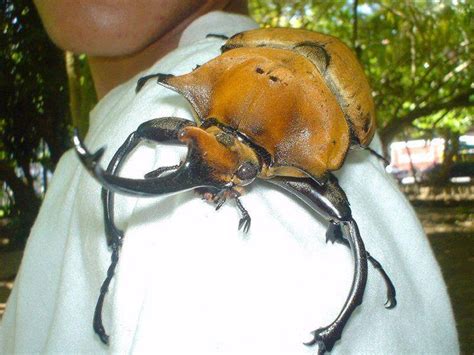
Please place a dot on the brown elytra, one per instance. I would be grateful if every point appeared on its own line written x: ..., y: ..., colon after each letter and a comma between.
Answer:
x: 337, y: 63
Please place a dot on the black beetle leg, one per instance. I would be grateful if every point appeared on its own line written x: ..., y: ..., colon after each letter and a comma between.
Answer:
x: 330, y: 201
x: 378, y: 156
x: 326, y: 337
x: 143, y: 80
x: 216, y: 35
x: 113, y: 234
x: 334, y: 234
x: 391, y: 301
x: 158, y: 130
x: 245, y: 221
x: 220, y: 198
x: 97, y: 323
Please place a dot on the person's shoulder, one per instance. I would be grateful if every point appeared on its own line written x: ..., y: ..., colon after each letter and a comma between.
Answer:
x: 216, y: 23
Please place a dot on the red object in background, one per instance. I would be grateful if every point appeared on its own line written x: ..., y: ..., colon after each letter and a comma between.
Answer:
x: 423, y: 154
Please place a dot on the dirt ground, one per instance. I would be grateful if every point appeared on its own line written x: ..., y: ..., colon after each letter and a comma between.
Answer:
x: 451, y: 233
x: 450, y: 229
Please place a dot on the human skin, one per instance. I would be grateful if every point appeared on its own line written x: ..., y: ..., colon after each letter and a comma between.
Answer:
x: 123, y: 37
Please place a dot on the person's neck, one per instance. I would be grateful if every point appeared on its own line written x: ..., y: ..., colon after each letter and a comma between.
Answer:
x: 109, y: 72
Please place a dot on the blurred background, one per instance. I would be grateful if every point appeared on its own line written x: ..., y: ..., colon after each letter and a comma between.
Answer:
x: 418, y: 56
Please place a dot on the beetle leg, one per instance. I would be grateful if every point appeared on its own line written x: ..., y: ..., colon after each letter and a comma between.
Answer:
x: 334, y: 234
x: 391, y: 301
x: 377, y: 155
x: 331, y: 202
x: 158, y: 130
x: 216, y: 35
x: 97, y: 323
x: 244, y: 222
x: 220, y: 200
x: 143, y: 80
x: 113, y: 235
x: 221, y: 197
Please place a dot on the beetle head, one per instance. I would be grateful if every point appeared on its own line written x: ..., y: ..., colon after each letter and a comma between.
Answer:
x: 226, y: 159
x: 215, y: 160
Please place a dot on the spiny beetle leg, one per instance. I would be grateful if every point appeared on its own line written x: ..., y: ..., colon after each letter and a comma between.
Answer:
x: 113, y: 234
x: 378, y: 156
x: 216, y: 35
x: 142, y: 81
x: 391, y: 301
x: 157, y: 130
x: 334, y: 234
x: 220, y: 202
x: 245, y: 221
x: 327, y: 336
x: 221, y: 197
x: 330, y: 201
x: 97, y: 323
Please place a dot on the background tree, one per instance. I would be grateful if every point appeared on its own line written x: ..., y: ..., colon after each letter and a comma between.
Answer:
x: 34, y: 114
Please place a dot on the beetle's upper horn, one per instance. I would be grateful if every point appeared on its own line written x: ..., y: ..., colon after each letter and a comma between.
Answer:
x: 191, y: 174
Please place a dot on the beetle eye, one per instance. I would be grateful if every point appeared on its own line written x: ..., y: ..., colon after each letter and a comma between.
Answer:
x: 247, y: 172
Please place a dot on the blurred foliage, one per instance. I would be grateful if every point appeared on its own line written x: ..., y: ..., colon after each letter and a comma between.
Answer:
x: 82, y: 95
x: 34, y: 113
x: 417, y: 54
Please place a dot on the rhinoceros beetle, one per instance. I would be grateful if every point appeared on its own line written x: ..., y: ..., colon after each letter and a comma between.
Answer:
x: 281, y: 105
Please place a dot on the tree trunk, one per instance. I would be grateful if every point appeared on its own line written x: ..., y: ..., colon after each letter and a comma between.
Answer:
x: 451, y: 148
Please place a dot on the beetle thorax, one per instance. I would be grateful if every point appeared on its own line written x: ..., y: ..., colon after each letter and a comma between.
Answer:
x: 229, y: 159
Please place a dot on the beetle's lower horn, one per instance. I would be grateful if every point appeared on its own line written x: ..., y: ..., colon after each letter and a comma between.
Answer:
x: 189, y: 175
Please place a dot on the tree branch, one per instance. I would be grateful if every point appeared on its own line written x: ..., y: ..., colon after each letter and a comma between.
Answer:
x: 396, y: 125
x: 25, y: 198
x: 355, y: 40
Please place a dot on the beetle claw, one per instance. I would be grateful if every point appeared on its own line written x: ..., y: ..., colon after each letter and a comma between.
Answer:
x: 391, y: 302
x: 333, y: 233
x: 244, y: 223
x: 90, y: 160
x: 220, y: 202
x: 323, y: 338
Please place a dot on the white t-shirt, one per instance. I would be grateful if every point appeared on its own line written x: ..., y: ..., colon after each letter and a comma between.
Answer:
x: 188, y: 281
